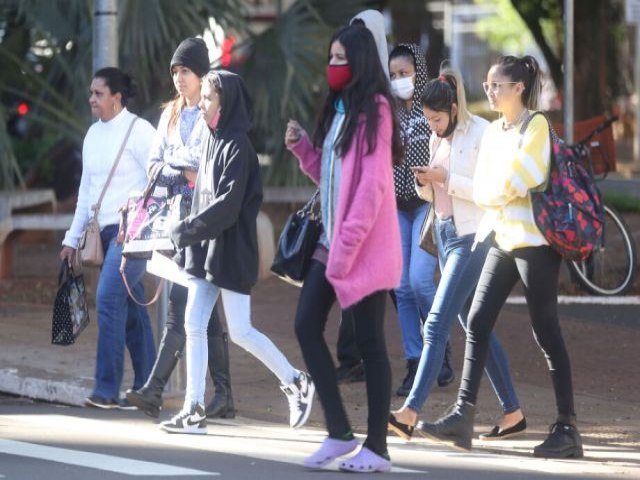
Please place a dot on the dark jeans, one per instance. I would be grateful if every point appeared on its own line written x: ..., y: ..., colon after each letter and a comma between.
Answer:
x: 346, y: 347
x: 538, y: 268
x: 316, y: 299
x: 175, y: 315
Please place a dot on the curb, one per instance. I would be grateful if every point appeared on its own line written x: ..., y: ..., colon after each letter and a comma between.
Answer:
x: 41, y: 389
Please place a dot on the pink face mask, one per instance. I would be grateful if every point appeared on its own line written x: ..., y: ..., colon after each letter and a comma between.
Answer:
x: 213, y: 124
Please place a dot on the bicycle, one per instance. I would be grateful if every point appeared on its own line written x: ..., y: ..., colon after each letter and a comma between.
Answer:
x: 611, y: 267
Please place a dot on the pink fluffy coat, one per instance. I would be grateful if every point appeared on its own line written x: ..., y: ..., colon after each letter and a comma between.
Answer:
x: 365, y: 254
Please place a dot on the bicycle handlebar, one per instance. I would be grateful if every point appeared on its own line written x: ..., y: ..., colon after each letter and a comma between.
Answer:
x: 603, y: 126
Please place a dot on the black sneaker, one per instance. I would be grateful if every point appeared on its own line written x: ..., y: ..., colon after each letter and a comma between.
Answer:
x: 124, y: 404
x: 193, y: 420
x: 407, y: 382
x: 352, y: 374
x: 99, y: 402
x: 563, y: 442
x: 300, y: 397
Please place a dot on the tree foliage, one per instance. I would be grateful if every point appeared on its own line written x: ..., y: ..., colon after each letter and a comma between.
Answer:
x: 46, y: 49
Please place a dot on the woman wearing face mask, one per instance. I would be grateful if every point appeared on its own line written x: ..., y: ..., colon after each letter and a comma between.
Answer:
x: 358, y: 257
x: 448, y: 183
x: 220, y: 238
x: 414, y: 296
x: 177, y: 149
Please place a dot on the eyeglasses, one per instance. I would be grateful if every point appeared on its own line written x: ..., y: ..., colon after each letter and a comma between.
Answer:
x: 494, y: 87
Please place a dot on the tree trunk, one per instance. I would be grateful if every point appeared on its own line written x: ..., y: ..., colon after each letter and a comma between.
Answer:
x: 411, y: 20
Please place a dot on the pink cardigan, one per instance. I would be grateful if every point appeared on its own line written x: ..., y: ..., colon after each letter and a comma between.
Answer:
x: 365, y: 254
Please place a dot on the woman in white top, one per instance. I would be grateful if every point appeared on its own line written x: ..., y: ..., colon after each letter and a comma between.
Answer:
x: 179, y: 142
x: 448, y: 183
x: 120, y: 320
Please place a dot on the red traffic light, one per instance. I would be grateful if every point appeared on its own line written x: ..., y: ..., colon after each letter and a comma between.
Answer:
x: 23, y: 109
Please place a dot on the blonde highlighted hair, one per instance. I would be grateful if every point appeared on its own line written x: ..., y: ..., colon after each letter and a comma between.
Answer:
x: 445, y: 90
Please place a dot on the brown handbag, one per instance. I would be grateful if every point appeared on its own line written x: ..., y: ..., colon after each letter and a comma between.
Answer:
x: 90, y: 252
x: 427, y: 239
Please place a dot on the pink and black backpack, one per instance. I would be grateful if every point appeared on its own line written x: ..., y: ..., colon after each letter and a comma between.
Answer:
x: 568, y: 208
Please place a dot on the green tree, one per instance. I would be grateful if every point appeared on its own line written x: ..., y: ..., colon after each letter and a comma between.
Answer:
x: 599, y: 33
x: 45, y: 46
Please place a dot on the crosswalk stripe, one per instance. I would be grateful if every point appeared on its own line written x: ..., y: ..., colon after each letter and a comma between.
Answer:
x: 97, y: 461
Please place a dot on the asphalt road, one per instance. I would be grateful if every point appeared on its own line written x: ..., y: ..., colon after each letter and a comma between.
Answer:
x: 44, y: 441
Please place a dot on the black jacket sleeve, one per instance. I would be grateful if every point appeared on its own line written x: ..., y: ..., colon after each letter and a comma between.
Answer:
x: 225, y: 206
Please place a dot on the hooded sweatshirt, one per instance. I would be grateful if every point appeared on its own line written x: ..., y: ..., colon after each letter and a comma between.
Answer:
x: 415, y: 134
x: 374, y: 21
x: 220, y: 233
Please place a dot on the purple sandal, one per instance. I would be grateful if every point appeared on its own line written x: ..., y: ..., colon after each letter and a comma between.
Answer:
x: 365, y: 461
x: 330, y: 449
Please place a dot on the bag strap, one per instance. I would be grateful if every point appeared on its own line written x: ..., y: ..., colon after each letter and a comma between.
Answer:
x: 96, y: 207
x: 156, y: 295
x: 523, y: 129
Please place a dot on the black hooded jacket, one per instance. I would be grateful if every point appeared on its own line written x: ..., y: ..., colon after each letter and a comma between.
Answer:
x: 220, y: 233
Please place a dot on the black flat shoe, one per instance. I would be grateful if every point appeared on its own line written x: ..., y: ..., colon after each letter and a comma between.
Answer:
x: 403, y: 430
x: 497, y: 434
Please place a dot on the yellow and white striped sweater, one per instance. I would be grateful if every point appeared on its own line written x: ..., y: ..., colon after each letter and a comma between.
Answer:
x: 506, y: 171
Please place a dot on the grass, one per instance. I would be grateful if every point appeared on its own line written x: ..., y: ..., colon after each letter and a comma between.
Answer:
x: 622, y: 202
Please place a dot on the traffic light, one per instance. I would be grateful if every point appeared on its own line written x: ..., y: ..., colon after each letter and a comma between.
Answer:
x: 18, y: 123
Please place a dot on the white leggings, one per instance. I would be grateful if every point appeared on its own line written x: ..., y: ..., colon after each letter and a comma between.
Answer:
x: 237, y: 307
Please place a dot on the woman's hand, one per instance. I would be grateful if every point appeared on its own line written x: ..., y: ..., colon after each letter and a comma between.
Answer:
x: 190, y: 175
x: 426, y: 175
x: 293, y: 134
x: 68, y: 254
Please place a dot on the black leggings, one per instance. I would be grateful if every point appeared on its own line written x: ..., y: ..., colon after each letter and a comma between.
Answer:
x: 175, y: 315
x: 538, y: 268
x: 316, y: 299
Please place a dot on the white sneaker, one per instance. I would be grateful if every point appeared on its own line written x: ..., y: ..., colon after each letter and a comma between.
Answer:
x: 191, y: 421
x: 300, y: 396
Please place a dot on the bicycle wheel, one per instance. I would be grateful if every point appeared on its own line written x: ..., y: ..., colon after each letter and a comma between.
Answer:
x: 610, y: 269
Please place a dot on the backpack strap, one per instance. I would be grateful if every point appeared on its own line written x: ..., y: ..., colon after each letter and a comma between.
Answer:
x: 552, y: 132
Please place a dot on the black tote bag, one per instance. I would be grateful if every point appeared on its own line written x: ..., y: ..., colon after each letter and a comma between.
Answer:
x: 297, y: 243
x: 70, y: 311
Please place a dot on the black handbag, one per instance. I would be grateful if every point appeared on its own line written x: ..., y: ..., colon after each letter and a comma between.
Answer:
x: 297, y: 243
x: 70, y: 311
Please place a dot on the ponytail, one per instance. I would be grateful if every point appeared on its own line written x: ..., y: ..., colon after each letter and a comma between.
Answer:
x: 442, y: 92
x: 527, y: 71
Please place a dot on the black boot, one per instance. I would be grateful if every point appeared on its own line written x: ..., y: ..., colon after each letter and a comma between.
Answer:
x: 446, y: 375
x: 455, y: 428
x: 149, y: 397
x: 563, y: 441
x: 407, y: 383
x: 221, y: 405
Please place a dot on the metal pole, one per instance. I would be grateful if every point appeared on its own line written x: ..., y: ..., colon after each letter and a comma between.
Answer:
x: 568, y: 70
x: 105, y: 34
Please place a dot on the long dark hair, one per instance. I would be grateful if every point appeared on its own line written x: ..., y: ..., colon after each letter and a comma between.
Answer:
x: 526, y: 70
x: 359, y: 96
x: 118, y: 82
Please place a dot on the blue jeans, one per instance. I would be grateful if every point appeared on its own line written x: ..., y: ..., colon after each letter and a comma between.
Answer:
x: 415, y: 294
x: 460, y: 269
x: 121, y: 321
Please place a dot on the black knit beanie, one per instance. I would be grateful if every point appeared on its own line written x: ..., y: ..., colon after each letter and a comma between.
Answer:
x: 193, y: 54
